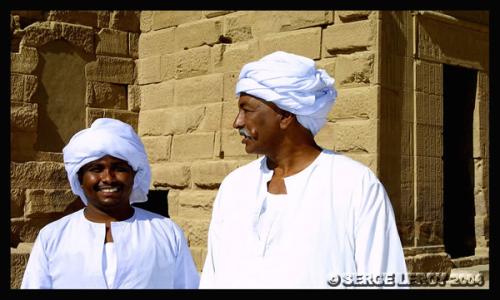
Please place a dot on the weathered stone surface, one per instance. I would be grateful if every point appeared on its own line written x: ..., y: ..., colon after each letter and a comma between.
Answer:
x: 229, y: 87
x: 349, y: 37
x: 23, y: 116
x: 111, y: 69
x: 354, y: 70
x: 174, y: 175
x: 231, y: 58
x: 125, y: 20
x: 25, y: 61
x: 17, y: 200
x: 209, y: 174
x: 192, y: 146
x: 195, y: 34
x: 80, y: 36
x: 212, y: 113
x: 196, y: 231
x: 355, y: 103
x: 134, y: 98
x: 26, y: 230
x: 170, y: 121
x: 40, y: 175
x: 192, y: 62
x: 146, y: 20
x: 439, y: 262
x: 159, y: 95
x: 103, y: 18
x: 306, y: 42
x: 352, y: 15
x: 156, y: 43
x: 112, y: 42
x: 163, y: 19
x: 148, y: 70
x: 133, y: 45
x: 195, y: 204
x: 157, y: 148
x: 128, y: 117
x: 201, y: 89
x: 18, y: 259
x: 106, y: 95
x: 40, y: 33
x: 83, y: 17
x: 41, y: 203
x: 215, y: 13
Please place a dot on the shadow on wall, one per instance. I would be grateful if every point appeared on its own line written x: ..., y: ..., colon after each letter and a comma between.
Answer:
x: 60, y: 94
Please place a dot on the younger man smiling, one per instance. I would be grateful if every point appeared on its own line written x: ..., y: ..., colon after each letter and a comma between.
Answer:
x: 109, y: 243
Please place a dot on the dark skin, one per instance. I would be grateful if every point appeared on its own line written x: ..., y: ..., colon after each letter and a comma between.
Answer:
x: 107, y: 183
x: 276, y: 133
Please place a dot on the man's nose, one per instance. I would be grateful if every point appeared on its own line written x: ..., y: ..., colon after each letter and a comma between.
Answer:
x: 238, y: 121
x: 107, y: 175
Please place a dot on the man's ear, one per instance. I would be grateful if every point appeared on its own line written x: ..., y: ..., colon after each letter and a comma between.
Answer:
x: 287, y: 118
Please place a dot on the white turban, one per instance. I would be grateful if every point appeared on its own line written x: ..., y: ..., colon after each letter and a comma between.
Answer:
x: 293, y: 83
x: 108, y: 137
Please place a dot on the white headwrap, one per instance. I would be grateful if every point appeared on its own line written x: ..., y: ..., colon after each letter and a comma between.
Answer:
x: 293, y: 83
x: 108, y: 137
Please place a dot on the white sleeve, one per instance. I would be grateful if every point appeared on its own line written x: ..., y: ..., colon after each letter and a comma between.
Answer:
x: 207, y: 280
x: 378, y: 248
x: 186, y: 276
x: 36, y: 274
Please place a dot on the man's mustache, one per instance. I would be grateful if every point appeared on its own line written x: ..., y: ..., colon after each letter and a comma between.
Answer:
x: 244, y: 132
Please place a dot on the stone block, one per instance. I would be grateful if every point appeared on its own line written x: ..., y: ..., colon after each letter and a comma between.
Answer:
x: 195, y: 204
x: 158, y: 95
x: 17, y: 200
x: 198, y: 33
x: 83, y: 17
x: 111, y: 69
x: 349, y: 37
x: 211, y: 120
x: 157, y: 148
x: 164, y: 19
x: 355, y: 136
x: 209, y: 174
x: 354, y: 70
x: 306, y: 42
x: 40, y: 33
x: 79, y: 35
x: 192, y: 62
x: 125, y: 20
x: 156, y: 43
x: 38, y: 175
x: 199, y: 90
x: 231, y: 58
x: 148, y: 70
x: 134, y: 98
x: 41, y: 203
x: 196, y: 230
x: 173, y: 121
x: 146, y: 20
x: 26, y: 230
x: 112, y: 42
x: 133, y: 45
x: 106, y: 95
x: 355, y: 103
x: 23, y: 116
x: 173, y: 175
x: 25, y: 61
x: 192, y: 146
x: 18, y: 259
x: 229, y: 87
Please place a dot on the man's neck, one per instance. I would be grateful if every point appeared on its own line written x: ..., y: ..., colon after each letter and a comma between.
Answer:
x: 97, y: 215
x: 291, y: 160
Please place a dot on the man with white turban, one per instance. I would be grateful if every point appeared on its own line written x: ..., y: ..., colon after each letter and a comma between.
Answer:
x: 109, y: 243
x: 300, y: 216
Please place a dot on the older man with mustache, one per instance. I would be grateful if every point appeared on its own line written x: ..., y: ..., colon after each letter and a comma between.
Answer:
x: 300, y: 216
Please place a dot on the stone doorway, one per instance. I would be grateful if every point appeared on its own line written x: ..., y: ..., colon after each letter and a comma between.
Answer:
x: 459, y: 91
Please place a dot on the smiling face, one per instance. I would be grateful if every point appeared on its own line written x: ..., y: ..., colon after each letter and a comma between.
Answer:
x: 258, y: 121
x: 107, y: 183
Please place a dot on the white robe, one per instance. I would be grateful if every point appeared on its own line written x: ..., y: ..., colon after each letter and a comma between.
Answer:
x: 151, y: 252
x: 338, y: 222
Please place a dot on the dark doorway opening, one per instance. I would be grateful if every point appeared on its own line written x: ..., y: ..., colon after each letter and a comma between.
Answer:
x: 157, y: 202
x: 459, y: 91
